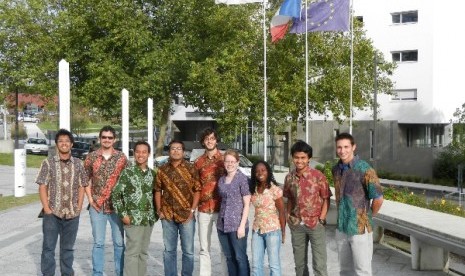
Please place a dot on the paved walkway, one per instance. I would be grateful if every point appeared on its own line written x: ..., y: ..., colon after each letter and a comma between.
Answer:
x: 21, y: 241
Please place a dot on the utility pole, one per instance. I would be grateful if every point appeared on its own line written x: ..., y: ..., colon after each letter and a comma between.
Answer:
x: 16, y: 119
x: 375, y: 109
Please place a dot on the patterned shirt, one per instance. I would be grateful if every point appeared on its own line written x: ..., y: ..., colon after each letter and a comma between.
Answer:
x: 232, y: 204
x: 307, y: 194
x: 210, y: 170
x: 133, y: 196
x: 266, y: 213
x: 104, y: 175
x: 63, y: 180
x: 178, y: 185
x: 356, y: 184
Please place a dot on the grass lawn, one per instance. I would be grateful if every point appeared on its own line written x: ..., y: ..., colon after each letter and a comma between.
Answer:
x: 93, y: 127
x: 7, y: 202
x: 32, y: 161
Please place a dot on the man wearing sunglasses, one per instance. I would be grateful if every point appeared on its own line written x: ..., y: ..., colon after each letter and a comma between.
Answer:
x: 103, y: 168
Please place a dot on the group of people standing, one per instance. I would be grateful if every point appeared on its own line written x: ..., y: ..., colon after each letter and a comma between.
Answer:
x: 212, y: 191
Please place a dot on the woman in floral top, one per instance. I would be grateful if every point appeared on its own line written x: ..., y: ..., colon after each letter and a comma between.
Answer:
x: 232, y: 224
x: 270, y: 221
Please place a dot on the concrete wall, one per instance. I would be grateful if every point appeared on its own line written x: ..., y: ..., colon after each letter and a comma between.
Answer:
x: 7, y: 146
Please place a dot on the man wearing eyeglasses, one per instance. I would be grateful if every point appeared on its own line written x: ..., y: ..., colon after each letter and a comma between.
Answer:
x: 177, y: 193
x: 103, y: 168
x: 211, y: 167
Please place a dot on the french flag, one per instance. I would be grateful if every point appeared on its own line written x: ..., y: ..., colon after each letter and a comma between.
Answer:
x: 280, y: 21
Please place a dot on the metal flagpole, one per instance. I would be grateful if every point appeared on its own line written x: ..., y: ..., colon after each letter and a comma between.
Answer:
x: 351, y: 64
x: 306, y: 73
x: 265, y: 119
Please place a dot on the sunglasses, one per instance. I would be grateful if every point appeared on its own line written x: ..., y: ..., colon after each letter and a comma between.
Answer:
x: 107, y: 137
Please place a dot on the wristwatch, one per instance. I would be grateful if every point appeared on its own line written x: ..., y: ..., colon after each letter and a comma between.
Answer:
x: 322, y: 221
x: 192, y: 211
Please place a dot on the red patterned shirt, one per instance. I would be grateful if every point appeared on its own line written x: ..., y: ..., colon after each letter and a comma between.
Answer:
x: 104, y: 174
x: 306, y: 193
x: 210, y: 171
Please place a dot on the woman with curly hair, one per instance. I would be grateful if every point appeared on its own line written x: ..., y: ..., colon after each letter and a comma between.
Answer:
x: 270, y: 221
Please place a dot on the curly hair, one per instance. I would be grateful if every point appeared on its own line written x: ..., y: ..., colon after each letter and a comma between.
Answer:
x: 270, y: 180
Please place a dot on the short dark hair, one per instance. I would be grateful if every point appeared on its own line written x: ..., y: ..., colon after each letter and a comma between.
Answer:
x: 347, y: 136
x: 301, y: 146
x: 206, y: 132
x: 176, y: 141
x: 64, y: 132
x: 107, y: 128
x: 141, y: 143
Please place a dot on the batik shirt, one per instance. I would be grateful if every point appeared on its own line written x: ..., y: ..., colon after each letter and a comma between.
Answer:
x: 232, y: 204
x: 63, y: 180
x: 178, y: 185
x: 210, y: 171
x: 355, y: 183
x: 307, y: 193
x: 266, y: 214
x: 104, y: 174
x: 133, y: 196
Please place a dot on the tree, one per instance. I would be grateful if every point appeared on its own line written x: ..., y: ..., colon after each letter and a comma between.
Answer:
x: 210, y: 54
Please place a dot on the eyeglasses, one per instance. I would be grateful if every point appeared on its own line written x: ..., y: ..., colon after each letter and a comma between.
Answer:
x: 107, y: 137
x: 213, y: 138
x: 176, y: 148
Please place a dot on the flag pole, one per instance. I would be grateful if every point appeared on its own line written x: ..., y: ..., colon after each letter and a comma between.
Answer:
x: 351, y: 18
x: 265, y: 115
x: 306, y: 73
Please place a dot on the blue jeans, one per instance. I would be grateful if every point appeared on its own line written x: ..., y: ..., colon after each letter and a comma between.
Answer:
x: 270, y: 241
x: 235, y: 251
x: 99, y: 227
x: 170, y: 239
x: 52, y: 227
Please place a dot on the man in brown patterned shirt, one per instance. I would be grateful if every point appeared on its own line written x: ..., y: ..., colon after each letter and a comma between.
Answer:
x: 177, y: 192
x: 211, y: 167
x: 103, y: 168
x: 61, y: 182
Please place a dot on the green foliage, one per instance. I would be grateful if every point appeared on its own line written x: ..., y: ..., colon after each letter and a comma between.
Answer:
x: 406, y: 196
x: 326, y: 169
x: 210, y: 54
x: 7, y: 202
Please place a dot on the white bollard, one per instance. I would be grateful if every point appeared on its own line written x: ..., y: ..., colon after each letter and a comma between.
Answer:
x: 20, y: 172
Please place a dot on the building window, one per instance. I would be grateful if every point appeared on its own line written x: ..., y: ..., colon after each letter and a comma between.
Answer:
x: 404, y: 95
x: 405, y: 56
x: 404, y: 17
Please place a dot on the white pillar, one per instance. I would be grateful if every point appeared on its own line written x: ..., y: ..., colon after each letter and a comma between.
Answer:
x: 125, y: 122
x: 64, y: 95
x: 150, y: 130
x: 20, y: 172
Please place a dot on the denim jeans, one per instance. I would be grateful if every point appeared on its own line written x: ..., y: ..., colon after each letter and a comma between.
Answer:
x: 235, y: 251
x: 270, y: 241
x: 355, y: 253
x: 52, y: 227
x: 99, y: 227
x: 186, y: 233
x: 206, y: 221
x: 301, y: 235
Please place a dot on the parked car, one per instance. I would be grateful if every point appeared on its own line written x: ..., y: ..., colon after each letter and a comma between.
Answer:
x: 80, y: 149
x: 30, y: 119
x: 245, y: 165
x: 36, y: 146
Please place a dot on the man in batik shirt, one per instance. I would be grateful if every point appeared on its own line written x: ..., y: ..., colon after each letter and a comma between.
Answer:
x: 103, y: 168
x: 61, y: 182
x: 177, y: 192
x: 211, y: 167
x: 359, y: 197
x: 133, y: 202
x: 307, y: 194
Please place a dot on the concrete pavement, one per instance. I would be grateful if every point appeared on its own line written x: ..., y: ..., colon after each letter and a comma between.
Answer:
x: 21, y: 243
